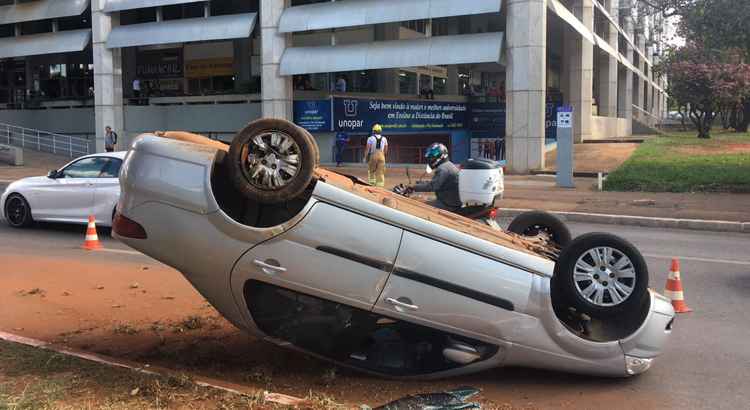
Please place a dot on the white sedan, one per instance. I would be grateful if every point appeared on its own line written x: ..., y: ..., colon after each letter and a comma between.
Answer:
x: 86, y: 186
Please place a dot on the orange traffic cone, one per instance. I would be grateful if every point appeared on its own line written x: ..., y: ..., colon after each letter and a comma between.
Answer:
x: 92, y: 239
x: 673, y: 290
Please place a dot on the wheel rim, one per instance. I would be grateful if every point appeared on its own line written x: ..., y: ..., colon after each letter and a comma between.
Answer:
x: 271, y: 160
x: 604, y: 276
x: 16, y: 211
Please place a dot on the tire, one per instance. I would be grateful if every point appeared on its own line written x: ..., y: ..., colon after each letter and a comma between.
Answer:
x: 279, y: 168
x: 533, y: 223
x: 17, y: 211
x: 611, y: 278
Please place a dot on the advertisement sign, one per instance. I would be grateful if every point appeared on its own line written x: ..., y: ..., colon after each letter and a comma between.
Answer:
x: 358, y: 115
x: 209, y: 67
x: 159, y: 64
x: 313, y: 115
x: 487, y: 117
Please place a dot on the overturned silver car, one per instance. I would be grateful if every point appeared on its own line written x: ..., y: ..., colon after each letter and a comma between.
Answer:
x: 323, y: 263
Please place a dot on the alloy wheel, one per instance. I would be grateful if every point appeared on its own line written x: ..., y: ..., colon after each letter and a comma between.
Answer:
x: 16, y: 210
x: 604, y: 276
x: 271, y: 160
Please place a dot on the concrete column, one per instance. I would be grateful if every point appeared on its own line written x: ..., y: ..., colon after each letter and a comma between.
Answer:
x: 526, y: 79
x: 625, y: 85
x: 108, y: 109
x: 276, y: 90
x: 640, y: 91
x: 607, y: 79
x: 581, y: 68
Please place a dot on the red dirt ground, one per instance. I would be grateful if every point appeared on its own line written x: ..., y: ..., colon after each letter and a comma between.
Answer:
x: 717, y: 149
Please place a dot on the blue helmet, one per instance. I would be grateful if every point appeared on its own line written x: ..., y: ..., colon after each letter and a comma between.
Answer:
x: 436, y: 154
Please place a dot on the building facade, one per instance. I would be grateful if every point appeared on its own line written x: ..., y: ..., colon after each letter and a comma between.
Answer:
x: 482, y: 76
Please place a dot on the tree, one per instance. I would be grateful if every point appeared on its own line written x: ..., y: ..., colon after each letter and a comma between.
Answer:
x: 722, y: 25
x: 705, y: 80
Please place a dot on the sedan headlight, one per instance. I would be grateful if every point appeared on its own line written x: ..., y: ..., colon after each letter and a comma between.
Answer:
x: 637, y: 365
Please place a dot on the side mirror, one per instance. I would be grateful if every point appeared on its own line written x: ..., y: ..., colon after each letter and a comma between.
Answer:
x: 52, y: 174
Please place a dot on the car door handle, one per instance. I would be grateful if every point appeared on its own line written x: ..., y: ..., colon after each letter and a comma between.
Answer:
x: 399, y: 304
x: 269, y: 268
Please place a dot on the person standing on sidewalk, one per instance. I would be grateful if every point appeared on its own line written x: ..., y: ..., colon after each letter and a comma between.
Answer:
x: 110, y: 139
x: 377, y: 149
x: 342, y: 139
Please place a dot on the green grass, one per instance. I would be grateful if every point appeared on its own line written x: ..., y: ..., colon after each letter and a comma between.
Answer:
x: 680, y: 162
x: 32, y: 378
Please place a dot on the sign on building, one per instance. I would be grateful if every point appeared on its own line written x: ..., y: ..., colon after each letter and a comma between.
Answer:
x: 358, y: 115
x: 156, y: 64
x: 313, y: 115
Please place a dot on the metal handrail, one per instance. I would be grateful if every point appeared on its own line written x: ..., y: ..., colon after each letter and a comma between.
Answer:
x: 43, y: 141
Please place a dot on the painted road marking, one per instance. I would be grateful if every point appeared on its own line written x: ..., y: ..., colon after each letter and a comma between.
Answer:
x: 692, y: 258
x: 123, y: 251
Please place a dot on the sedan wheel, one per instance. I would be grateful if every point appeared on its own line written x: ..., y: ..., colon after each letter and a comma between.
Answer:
x: 601, y: 275
x: 17, y: 211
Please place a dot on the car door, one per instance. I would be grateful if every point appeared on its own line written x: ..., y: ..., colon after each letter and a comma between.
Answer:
x: 441, y: 286
x: 70, y: 196
x: 332, y: 254
x: 107, y: 191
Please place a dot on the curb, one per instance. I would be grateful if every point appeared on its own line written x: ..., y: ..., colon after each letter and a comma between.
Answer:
x: 268, y: 397
x: 576, y: 174
x: 645, y: 221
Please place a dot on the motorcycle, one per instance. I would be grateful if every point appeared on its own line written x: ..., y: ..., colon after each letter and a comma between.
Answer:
x: 480, y: 185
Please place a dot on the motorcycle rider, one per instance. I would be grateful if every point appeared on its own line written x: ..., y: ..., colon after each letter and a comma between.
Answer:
x: 444, y: 181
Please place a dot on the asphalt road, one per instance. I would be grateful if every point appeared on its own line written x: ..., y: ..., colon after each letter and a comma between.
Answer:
x: 706, y: 365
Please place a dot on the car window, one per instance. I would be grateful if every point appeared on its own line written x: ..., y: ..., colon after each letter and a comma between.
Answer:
x: 112, y: 169
x: 85, y: 168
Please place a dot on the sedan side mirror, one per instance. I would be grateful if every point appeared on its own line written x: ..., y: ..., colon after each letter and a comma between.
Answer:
x: 52, y: 174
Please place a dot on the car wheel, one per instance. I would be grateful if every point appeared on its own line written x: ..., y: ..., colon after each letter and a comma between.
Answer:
x: 601, y: 275
x: 272, y: 160
x: 537, y: 223
x: 18, y: 211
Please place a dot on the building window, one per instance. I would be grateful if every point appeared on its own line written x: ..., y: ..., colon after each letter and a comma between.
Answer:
x: 75, y: 22
x: 219, y: 8
x: 419, y: 26
x: 407, y: 81
x: 147, y: 15
x: 440, y: 85
x: 7, y: 30
x: 36, y: 27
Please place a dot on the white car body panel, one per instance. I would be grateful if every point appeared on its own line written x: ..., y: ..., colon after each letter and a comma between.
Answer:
x: 69, y: 200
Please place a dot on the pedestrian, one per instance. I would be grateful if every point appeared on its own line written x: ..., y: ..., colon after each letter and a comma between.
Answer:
x: 499, y: 154
x: 342, y: 139
x: 341, y: 84
x: 110, y: 139
x: 137, y: 88
x: 377, y: 149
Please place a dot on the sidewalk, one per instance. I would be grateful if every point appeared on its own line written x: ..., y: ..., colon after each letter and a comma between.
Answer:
x: 35, y: 164
x: 540, y: 192
x: 522, y: 192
